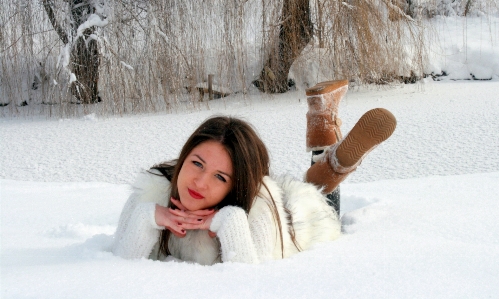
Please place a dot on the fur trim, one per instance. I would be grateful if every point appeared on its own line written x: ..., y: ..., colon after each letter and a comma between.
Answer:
x: 313, y: 220
x: 197, y: 246
x: 152, y: 186
x: 303, y: 212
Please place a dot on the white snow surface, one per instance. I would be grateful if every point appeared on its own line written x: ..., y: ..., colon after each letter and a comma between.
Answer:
x: 419, y: 215
x: 463, y: 48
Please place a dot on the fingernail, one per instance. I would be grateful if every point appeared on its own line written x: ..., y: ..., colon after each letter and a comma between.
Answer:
x: 200, y: 219
x: 183, y: 231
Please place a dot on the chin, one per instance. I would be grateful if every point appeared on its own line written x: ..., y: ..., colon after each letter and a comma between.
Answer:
x: 191, y: 205
x: 187, y: 205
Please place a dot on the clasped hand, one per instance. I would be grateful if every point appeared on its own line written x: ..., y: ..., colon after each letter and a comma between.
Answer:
x: 178, y: 221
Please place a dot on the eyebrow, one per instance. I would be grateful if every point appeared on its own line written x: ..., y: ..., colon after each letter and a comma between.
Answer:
x: 202, y: 160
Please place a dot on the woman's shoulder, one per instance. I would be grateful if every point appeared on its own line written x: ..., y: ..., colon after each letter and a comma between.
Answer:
x: 152, y: 186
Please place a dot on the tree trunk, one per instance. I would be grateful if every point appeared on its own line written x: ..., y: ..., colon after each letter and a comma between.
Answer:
x: 295, y: 32
x: 84, y: 55
x: 85, y: 60
x: 467, y: 7
x: 320, y: 23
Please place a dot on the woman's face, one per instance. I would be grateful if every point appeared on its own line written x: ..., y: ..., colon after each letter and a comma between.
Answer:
x: 205, y: 177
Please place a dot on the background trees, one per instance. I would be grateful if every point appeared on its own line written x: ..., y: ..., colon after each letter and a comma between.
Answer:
x: 142, y: 56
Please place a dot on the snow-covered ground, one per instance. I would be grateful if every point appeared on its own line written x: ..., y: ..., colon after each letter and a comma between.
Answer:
x: 419, y: 215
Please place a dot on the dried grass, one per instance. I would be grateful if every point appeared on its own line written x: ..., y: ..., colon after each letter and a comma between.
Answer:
x: 153, y: 53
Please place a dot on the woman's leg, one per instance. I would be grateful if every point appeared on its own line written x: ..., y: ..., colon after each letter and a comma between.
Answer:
x: 333, y: 198
x: 342, y: 158
x: 323, y: 123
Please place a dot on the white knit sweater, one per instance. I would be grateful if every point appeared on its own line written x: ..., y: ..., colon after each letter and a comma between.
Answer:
x: 301, y: 209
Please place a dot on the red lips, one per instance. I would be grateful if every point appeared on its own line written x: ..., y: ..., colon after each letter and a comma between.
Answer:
x: 194, y: 194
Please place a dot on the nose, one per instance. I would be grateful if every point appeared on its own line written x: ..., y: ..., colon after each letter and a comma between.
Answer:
x: 201, y: 181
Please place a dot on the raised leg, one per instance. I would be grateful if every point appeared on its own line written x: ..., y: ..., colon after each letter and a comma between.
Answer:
x: 333, y: 198
x: 323, y: 123
x: 342, y: 158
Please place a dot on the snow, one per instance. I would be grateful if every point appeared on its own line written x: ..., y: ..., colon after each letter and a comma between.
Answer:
x: 72, y: 78
x: 64, y: 56
x: 419, y: 215
x: 93, y: 20
x: 126, y: 65
x: 464, y: 48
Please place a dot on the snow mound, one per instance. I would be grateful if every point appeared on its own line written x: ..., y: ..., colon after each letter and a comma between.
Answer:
x: 79, y: 230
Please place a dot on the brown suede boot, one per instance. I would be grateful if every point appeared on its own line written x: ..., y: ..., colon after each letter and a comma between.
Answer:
x: 339, y: 160
x: 323, y: 124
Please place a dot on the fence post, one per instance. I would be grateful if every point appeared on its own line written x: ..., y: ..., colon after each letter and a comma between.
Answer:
x: 210, y: 87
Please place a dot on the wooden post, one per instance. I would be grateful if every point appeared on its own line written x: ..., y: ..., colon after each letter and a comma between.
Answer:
x: 320, y: 23
x: 210, y: 87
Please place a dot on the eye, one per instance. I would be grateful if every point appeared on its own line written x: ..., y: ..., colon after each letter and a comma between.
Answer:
x: 221, y: 178
x: 198, y: 164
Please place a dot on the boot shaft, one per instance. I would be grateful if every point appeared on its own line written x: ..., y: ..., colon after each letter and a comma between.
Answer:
x: 323, y: 123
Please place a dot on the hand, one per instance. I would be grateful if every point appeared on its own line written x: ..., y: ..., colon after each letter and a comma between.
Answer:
x: 164, y: 217
x: 203, y: 217
x: 174, y: 222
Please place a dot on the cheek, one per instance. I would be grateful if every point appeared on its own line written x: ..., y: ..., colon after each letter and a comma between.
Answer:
x: 183, y: 174
x: 182, y: 179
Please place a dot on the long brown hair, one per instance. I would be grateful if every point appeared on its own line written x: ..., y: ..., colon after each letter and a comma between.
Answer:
x: 250, y: 162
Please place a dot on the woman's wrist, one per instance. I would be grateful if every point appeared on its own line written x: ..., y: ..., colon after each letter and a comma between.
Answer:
x: 225, y: 214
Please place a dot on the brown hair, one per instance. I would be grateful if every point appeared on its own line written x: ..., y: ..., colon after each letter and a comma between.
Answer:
x: 250, y: 162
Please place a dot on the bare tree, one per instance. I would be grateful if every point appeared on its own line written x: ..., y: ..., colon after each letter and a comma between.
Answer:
x: 83, y: 46
x: 295, y: 32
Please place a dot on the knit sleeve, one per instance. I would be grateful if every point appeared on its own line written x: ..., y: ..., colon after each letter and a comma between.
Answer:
x: 137, y: 231
x: 241, y: 240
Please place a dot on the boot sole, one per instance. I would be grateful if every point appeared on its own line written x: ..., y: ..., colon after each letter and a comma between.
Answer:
x: 374, y: 127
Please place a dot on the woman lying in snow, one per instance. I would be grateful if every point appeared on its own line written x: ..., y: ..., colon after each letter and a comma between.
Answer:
x: 217, y: 203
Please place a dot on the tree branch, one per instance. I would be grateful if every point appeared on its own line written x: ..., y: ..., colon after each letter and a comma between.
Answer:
x: 50, y: 13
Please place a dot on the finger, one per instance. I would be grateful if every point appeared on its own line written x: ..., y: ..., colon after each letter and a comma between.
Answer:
x: 186, y: 220
x: 192, y: 226
x: 178, y: 213
x: 185, y: 214
x: 212, y: 234
x: 177, y: 231
x: 196, y: 213
x: 181, y: 207
x: 202, y: 212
